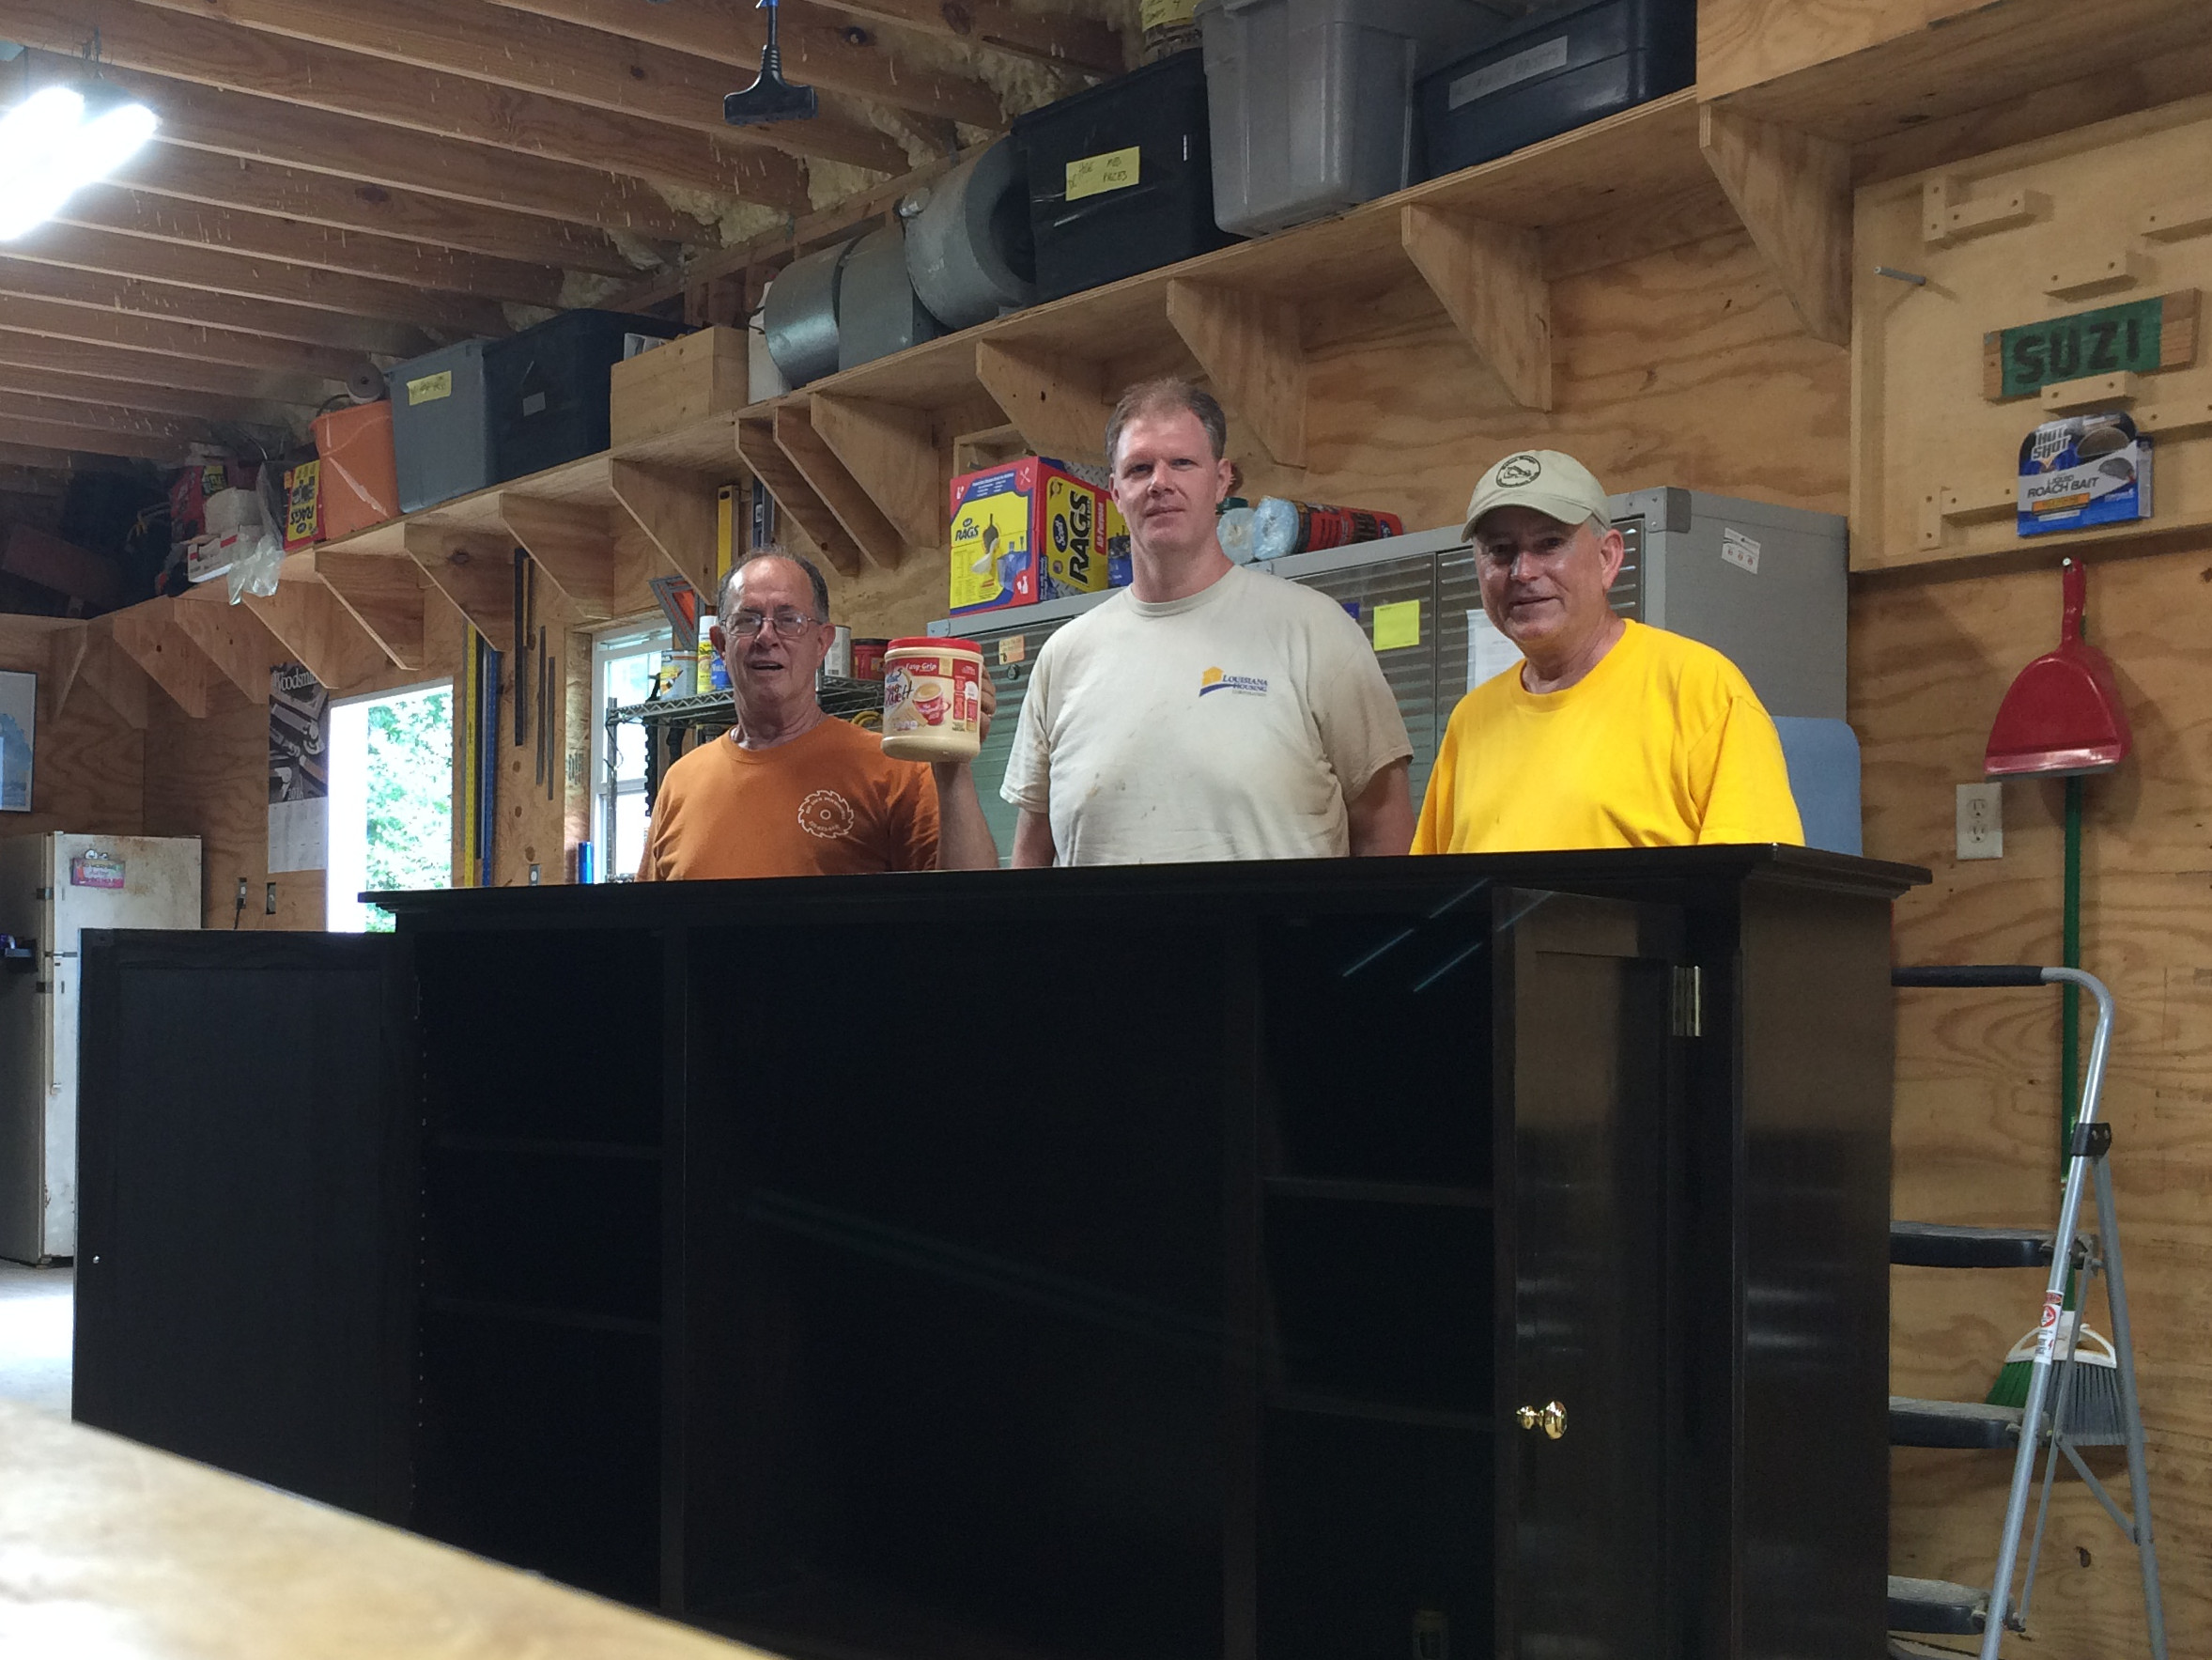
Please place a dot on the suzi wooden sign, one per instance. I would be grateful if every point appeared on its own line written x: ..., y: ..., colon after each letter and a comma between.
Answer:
x: 2137, y: 337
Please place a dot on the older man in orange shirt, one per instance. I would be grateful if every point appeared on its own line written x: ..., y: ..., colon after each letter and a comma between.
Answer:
x: 789, y: 791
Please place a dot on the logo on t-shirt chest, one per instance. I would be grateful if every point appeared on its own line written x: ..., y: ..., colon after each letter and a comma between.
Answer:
x: 827, y: 815
x: 1215, y: 680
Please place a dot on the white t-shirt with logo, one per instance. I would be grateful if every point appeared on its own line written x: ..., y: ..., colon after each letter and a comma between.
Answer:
x: 1233, y: 725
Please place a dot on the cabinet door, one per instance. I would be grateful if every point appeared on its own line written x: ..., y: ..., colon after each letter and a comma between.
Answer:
x: 1586, y: 1077
x: 240, y: 1269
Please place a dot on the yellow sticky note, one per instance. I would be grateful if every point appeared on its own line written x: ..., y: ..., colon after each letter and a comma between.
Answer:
x: 430, y: 388
x: 1398, y: 625
x: 1093, y: 176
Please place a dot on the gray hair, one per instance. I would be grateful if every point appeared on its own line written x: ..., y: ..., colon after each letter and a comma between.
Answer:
x: 1148, y: 397
x: 813, y: 572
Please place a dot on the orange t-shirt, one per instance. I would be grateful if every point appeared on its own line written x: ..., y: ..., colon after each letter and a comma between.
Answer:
x: 828, y: 804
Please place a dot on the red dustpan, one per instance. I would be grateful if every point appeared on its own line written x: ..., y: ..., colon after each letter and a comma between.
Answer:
x: 2063, y: 715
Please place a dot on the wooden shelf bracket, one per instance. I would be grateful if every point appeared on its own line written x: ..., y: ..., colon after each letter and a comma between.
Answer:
x: 675, y: 511
x: 321, y: 633
x: 1793, y: 193
x: 475, y: 572
x: 1249, y: 346
x: 892, y: 455
x: 384, y: 595
x: 231, y: 637
x: 1061, y: 408
x: 150, y: 639
x: 876, y: 537
x: 114, y: 675
x: 1489, y: 280
x: 795, y: 496
x: 65, y: 657
x: 572, y: 543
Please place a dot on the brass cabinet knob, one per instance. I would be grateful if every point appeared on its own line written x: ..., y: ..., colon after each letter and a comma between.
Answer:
x: 1550, y: 1417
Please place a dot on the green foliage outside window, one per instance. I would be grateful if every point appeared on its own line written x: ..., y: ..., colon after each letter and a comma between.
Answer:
x: 410, y: 796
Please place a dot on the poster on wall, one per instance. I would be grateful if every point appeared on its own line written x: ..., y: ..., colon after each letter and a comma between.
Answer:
x: 19, y: 727
x: 299, y: 777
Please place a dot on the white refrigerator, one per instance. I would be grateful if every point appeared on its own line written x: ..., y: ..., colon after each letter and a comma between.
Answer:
x: 52, y: 889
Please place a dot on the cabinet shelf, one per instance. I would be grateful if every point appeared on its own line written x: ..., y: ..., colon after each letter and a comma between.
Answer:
x: 546, y: 1147
x: 1424, y: 1194
x: 569, y: 1319
x: 1376, y: 1411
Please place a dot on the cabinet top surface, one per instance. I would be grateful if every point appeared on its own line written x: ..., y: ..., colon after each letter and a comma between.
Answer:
x: 1693, y: 876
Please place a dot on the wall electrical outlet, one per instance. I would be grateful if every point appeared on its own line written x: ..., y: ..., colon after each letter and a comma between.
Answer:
x: 1981, y: 821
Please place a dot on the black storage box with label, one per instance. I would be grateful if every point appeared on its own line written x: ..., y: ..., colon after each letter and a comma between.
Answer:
x: 548, y: 386
x: 1560, y: 70
x: 1120, y: 177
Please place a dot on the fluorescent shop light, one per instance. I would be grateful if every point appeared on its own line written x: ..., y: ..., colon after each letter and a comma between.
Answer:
x: 57, y: 141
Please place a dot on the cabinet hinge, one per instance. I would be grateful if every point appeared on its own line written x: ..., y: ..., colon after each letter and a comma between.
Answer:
x: 42, y: 893
x: 1689, y: 1002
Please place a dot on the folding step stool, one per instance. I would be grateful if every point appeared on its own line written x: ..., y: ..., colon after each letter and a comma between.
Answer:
x: 1938, y: 1606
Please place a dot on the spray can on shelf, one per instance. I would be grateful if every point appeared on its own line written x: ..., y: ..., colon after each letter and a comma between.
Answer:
x: 1281, y: 527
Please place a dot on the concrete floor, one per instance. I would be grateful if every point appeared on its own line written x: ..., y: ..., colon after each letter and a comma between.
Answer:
x: 38, y: 1308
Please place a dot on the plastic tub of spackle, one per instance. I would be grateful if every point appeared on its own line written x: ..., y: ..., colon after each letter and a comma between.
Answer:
x: 933, y: 700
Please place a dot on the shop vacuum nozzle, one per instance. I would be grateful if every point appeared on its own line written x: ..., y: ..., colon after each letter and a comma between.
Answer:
x: 770, y: 98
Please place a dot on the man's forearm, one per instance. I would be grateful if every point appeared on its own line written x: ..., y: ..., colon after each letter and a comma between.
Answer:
x: 1382, y: 819
x: 964, y: 836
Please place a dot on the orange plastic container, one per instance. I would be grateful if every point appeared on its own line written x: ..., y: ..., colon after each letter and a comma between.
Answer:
x: 359, y: 481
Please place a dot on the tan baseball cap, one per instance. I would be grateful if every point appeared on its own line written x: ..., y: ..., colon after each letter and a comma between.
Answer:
x: 1555, y: 485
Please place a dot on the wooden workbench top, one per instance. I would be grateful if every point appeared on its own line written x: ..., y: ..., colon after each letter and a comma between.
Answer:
x: 112, y: 1551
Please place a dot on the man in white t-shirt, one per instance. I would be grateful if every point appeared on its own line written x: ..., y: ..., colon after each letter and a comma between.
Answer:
x: 1209, y: 711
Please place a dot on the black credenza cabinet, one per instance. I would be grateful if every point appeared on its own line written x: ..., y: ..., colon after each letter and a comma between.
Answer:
x: 1447, y: 1257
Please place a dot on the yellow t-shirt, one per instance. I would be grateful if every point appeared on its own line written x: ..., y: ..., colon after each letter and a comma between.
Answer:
x: 1662, y: 744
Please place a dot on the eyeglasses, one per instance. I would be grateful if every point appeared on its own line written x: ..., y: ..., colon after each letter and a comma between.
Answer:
x: 786, y: 622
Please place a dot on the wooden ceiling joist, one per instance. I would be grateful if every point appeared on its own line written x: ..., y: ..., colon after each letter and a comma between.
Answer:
x: 342, y: 258
x: 1079, y: 43
x: 640, y: 100
x: 263, y: 296
x: 220, y: 346
x: 412, y: 218
x: 50, y: 271
x: 26, y: 347
x: 18, y: 429
x: 125, y: 420
x: 47, y: 459
x: 91, y: 394
x: 254, y: 128
x: 819, y: 49
x: 200, y: 48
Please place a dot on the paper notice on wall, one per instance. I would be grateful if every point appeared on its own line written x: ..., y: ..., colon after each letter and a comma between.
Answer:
x: 1490, y: 654
x: 299, y: 776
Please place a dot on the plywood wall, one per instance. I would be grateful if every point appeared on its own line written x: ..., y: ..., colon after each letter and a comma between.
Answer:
x: 1976, y: 1084
x: 86, y: 773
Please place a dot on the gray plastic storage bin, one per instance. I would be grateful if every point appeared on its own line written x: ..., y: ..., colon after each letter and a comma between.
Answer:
x: 441, y: 426
x: 1312, y: 101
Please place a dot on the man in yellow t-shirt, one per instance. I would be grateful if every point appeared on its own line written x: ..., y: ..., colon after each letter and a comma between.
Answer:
x: 1607, y: 734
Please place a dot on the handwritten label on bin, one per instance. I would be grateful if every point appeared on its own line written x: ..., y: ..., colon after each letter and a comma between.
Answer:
x: 1093, y: 176
x: 430, y: 388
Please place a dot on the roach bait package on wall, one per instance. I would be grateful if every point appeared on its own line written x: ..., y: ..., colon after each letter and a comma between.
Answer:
x: 2083, y: 471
